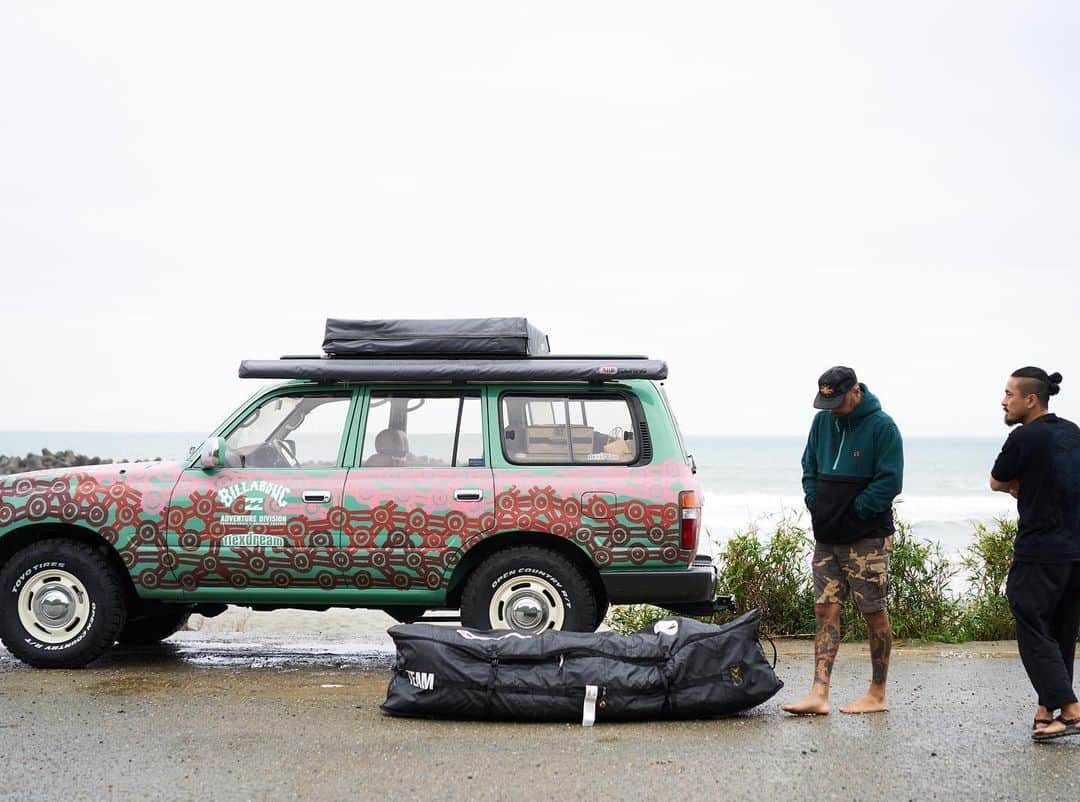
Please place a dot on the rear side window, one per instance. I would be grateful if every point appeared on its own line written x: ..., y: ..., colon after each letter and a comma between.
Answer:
x: 568, y: 430
x: 678, y: 432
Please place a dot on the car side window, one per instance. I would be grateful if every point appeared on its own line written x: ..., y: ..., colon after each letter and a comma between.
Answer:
x: 290, y: 431
x: 411, y: 430
x: 565, y: 430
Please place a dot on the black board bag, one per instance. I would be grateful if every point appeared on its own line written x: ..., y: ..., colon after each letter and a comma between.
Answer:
x: 675, y: 668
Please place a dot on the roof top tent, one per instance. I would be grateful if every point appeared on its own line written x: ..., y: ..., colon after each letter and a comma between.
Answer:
x: 462, y: 350
x: 479, y: 337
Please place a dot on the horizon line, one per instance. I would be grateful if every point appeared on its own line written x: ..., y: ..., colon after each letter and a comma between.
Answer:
x: 751, y: 435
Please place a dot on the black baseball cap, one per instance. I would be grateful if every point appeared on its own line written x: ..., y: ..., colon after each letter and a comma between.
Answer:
x: 833, y: 384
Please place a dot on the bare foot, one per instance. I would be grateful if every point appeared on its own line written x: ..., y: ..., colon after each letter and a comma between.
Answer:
x: 866, y: 704
x: 808, y: 706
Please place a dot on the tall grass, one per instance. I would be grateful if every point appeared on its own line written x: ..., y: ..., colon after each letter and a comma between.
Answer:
x: 772, y: 575
x: 772, y: 572
x: 987, y: 561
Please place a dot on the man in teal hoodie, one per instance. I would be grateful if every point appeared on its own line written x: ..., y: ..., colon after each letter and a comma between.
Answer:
x: 853, y: 468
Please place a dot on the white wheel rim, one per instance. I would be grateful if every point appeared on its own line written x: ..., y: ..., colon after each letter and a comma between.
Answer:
x: 526, y: 604
x: 54, y: 606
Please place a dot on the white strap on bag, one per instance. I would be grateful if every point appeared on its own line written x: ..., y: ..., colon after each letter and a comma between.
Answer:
x: 588, y: 715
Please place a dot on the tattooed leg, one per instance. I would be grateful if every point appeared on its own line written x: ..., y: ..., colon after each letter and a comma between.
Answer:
x: 880, y: 636
x: 880, y: 648
x: 826, y: 644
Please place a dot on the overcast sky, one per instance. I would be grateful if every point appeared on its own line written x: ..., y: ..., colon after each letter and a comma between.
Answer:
x: 751, y: 191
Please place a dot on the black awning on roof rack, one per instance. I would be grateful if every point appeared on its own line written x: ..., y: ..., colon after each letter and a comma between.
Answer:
x: 551, y: 368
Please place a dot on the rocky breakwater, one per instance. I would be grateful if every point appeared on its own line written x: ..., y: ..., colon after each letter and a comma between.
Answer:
x: 49, y: 459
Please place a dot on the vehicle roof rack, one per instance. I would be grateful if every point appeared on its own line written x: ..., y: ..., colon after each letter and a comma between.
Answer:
x: 458, y: 350
x: 547, y: 368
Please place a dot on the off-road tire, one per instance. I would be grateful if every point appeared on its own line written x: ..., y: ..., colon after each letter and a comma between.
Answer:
x: 105, y: 602
x: 601, y: 614
x: 529, y: 564
x: 154, y: 626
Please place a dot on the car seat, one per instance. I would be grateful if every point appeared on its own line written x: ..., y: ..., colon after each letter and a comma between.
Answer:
x: 391, y: 450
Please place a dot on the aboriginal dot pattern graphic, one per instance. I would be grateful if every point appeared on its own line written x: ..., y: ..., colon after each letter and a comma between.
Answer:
x: 409, y: 543
x: 126, y: 506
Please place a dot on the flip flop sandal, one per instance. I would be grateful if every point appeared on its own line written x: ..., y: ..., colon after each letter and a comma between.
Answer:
x: 1071, y: 728
x: 1043, y: 721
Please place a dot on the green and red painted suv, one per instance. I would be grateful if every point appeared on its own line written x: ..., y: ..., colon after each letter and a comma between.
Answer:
x: 527, y: 492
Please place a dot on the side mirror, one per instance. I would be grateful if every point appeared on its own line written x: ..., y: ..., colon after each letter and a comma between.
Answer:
x: 213, y: 453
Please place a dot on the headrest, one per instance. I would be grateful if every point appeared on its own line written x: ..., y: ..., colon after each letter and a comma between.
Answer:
x: 392, y: 442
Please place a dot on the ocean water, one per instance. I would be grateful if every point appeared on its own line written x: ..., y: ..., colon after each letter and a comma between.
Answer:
x: 754, y: 480
x: 747, y: 480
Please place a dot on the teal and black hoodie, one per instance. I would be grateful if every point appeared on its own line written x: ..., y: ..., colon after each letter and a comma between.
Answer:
x: 853, y: 468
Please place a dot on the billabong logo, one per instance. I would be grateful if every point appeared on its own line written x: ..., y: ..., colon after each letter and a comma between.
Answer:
x: 230, y: 493
x: 424, y: 680
x: 251, y: 500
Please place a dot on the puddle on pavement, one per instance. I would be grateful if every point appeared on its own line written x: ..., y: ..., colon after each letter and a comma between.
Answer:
x: 243, y: 652
x: 261, y: 654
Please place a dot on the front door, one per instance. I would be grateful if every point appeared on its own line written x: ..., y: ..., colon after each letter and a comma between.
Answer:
x: 267, y: 520
x: 423, y: 489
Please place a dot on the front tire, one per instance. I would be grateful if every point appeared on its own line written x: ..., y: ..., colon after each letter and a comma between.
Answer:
x: 528, y: 589
x: 62, y: 604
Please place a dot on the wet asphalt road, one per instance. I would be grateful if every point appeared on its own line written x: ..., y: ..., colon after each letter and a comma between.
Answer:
x: 266, y: 716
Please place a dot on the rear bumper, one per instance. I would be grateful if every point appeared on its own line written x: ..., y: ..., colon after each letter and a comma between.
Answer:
x: 663, y: 588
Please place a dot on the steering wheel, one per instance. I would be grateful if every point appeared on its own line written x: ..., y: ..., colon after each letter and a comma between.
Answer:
x: 284, y: 457
x: 271, y: 454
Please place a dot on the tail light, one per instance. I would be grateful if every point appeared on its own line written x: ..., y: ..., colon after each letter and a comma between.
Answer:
x: 689, y: 519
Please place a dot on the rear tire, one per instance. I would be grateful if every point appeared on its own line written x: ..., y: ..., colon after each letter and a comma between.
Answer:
x: 601, y: 614
x: 154, y: 626
x: 62, y: 604
x: 528, y: 589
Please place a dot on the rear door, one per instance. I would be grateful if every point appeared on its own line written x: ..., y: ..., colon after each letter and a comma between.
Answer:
x: 577, y: 464
x: 421, y: 491
x: 267, y: 520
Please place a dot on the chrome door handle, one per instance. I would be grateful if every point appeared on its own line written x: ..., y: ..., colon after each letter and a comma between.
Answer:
x: 468, y: 494
x: 316, y: 496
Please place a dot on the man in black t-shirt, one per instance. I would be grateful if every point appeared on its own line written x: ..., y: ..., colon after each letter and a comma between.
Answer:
x: 1040, y: 465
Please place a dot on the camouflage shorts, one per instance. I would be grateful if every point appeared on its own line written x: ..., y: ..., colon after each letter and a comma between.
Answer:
x: 861, y: 567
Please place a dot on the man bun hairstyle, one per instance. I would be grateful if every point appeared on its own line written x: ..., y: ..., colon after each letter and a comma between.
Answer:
x: 1037, y: 382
